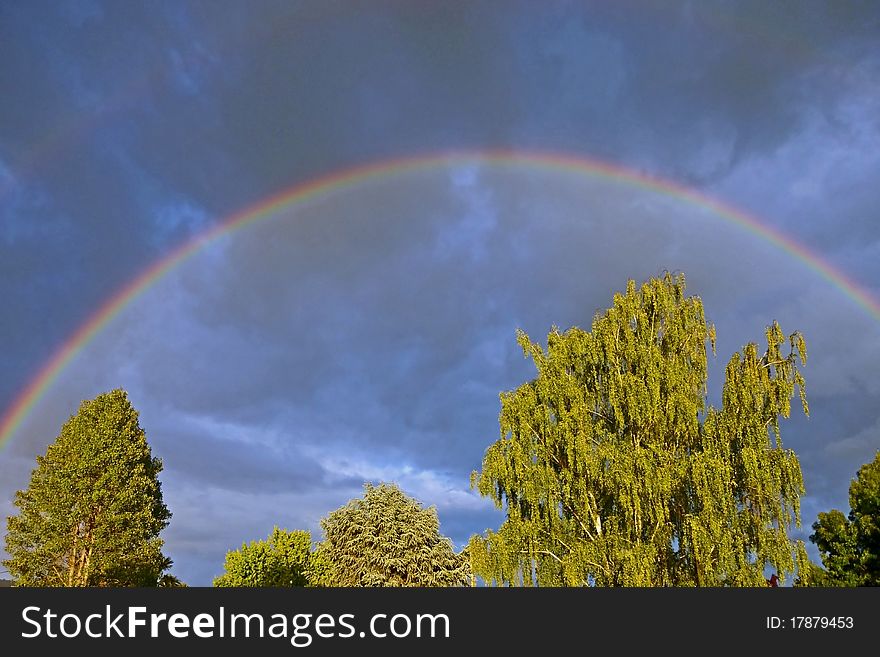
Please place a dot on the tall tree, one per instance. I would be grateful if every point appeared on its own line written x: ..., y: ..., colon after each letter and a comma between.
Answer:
x: 282, y: 560
x: 614, y: 471
x: 93, y: 511
x: 850, y: 544
x: 387, y: 538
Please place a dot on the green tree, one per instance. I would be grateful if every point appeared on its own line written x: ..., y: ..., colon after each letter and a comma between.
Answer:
x: 171, y: 582
x: 282, y: 560
x: 850, y: 545
x: 387, y: 539
x: 93, y: 511
x: 615, y: 471
x: 320, y: 571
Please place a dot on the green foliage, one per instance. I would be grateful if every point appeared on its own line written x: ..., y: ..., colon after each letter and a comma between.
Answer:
x: 850, y: 545
x: 613, y: 470
x: 171, y: 582
x: 92, y: 513
x: 282, y: 560
x: 387, y: 539
x: 320, y: 571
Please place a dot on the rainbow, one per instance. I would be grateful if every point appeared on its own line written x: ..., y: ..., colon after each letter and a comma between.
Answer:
x: 328, y: 184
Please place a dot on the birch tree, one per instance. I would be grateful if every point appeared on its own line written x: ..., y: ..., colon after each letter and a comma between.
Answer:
x: 613, y: 470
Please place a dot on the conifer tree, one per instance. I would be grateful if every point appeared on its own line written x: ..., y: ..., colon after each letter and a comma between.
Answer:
x: 93, y: 511
x: 850, y: 544
x: 387, y: 538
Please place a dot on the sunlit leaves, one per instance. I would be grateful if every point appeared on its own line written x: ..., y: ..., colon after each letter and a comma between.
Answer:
x: 282, y: 560
x: 92, y: 513
x: 850, y: 545
x: 386, y: 538
x: 613, y: 471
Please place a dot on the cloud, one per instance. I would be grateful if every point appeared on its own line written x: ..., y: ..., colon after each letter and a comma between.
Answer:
x: 377, y: 322
x: 863, y: 443
x: 355, y: 337
x: 176, y: 222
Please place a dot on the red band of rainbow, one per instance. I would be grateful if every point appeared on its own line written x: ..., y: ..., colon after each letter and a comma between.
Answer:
x: 325, y: 185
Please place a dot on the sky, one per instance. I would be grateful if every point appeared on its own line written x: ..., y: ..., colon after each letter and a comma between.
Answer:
x: 364, y: 332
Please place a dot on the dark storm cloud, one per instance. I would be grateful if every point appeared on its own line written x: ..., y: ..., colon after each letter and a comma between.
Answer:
x: 131, y: 110
x: 694, y: 87
x: 364, y: 312
x: 378, y: 324
x: 77, y: 206
x: 214, y: 459
x: 313, y: 357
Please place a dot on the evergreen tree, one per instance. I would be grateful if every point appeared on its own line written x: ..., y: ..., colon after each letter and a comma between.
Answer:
x: 850, y: 544
x: 387, y: 539
x: 615, y: 472
x: 93, y: 511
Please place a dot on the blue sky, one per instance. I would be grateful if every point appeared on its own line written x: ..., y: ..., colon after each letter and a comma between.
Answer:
x: 367, y: 334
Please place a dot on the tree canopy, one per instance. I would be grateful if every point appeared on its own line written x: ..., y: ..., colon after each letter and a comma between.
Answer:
x: 614, y: 470
x: 850, y: 544
x: 93, y: 511
x: 386, y: 538
x: 282, y: 560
